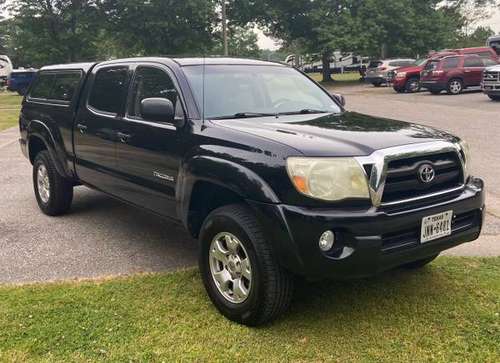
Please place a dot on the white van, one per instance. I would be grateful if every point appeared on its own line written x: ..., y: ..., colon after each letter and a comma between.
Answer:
x: 5, y: 68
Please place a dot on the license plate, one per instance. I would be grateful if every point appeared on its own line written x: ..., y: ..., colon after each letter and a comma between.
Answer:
x: 436, y: 226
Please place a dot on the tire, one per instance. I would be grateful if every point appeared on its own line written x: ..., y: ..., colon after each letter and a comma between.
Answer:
x: 399, y: 90
x: 455, y: 86
x: 494, y: 97
x: 270, y: 288
x: 420, y: 263
x: 45, y: 178
x: 435, y: 92
x: 412, y: 85
x: 377, y: 84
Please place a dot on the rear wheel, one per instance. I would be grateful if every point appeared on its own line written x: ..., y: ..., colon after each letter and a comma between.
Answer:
x: 239, y: 269
x: 455, y: 86
x: 54, y: 193
x: 412, y: 85
x: 494, y: 97
x: 420, y: 263
x: 377, y: 84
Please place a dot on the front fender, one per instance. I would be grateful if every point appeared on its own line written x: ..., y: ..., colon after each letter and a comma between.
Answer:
x: 235, y: 177
x: 39, y: 130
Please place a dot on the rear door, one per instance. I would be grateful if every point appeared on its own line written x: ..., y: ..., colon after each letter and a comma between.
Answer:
x: 473, y: 70
x: 149, y: 152
x: 96, y: 126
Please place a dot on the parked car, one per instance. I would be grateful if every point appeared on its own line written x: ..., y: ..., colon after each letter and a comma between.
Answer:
x: 265, y: 167
x: 20, y: 80
x: 5, y: 69
x: 491, y: 82
x: 454, y: 73
x: 377, y: 72
x: 407, y: 79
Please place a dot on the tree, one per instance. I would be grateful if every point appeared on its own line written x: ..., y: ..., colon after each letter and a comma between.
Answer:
x: 157, y: 27
x: 242, y: 43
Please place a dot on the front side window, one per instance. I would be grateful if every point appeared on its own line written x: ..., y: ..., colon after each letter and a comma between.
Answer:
x: 152, y: 82
x: 109, y: 89
x: 222, y: 91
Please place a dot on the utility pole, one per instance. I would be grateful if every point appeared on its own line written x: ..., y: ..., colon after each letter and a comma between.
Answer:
x: 224, y: 28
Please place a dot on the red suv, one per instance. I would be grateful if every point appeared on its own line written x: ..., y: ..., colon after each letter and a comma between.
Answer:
x: 454, y: 73
x: 407, y: 79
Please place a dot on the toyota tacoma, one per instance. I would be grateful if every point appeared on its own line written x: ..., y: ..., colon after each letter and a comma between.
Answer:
x: 260, y: 163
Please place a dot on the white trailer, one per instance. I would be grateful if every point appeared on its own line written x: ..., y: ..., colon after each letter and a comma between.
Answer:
x: 5, y: 68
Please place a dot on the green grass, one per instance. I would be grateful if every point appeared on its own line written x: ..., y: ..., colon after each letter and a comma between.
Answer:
x: 447, y: 312
x: 344, y: 79
x: 10, y: 104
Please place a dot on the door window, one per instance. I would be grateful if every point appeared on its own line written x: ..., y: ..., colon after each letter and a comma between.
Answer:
x: 109, y: 90
x: 43, y: 86
x: 150, y: 82
x: 56, y: 86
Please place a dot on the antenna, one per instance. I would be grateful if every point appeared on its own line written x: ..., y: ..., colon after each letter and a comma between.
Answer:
x: 203, y: 91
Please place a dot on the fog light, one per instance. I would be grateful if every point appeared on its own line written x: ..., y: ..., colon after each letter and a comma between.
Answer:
x: 326, y: 241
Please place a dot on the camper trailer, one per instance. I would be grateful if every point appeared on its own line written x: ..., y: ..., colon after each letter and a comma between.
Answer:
x: 5, y: 69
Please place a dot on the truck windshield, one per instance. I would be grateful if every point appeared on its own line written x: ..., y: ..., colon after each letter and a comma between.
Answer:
x: 245, y: 91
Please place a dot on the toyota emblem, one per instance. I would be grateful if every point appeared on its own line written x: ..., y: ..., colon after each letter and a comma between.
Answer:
x: 426, y: 173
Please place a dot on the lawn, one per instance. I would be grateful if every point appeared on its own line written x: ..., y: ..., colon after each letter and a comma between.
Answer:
x: 10, y: 104
x: 344, y: 79
x: 446, y: 312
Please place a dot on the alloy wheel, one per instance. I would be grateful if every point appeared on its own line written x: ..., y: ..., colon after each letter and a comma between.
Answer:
x: 43, y: 183
x: 230, y: 267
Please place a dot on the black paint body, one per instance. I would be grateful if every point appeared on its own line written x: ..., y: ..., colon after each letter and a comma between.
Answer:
x: 247, y: 158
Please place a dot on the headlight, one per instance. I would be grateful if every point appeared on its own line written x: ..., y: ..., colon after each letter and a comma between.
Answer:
x: 401, y: 74
x: 465, y: 150
x: 330, y: 179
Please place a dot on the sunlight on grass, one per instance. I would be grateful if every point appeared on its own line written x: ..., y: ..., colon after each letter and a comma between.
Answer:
x: 446, y: 312
x: 10, y: 103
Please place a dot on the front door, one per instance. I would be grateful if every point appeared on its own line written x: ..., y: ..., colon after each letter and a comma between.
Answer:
x: 95, y: 132
x: 148, y: 152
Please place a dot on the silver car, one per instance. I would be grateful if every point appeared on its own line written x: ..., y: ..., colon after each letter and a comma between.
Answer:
x: 378, y: 71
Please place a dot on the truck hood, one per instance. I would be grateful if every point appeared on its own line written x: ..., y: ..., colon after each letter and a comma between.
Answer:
x: 494, y: 68
x: 411, y: 69
x: 346, y: 134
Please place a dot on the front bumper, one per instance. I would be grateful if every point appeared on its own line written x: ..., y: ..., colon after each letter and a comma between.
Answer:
x: 369, y: 241
x: 491, y: 88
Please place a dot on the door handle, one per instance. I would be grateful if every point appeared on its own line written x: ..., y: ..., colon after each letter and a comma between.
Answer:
x: 82, y: 128
x: 124, y: 138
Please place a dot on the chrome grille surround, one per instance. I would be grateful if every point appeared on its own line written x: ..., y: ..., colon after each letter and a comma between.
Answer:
x: 379, y: 160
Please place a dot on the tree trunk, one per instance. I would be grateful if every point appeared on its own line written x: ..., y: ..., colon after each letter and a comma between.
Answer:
x: 327, y: 74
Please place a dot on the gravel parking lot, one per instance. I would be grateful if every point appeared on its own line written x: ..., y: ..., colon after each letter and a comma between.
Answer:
x: 102, y: 237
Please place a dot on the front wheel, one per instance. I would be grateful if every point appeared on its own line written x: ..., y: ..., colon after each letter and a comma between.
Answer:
x: 239, y: 269
x: 412, y: 85
x: 53, y: 193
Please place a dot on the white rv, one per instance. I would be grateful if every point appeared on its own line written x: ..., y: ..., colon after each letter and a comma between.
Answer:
x: 494, y: 42
x: 5, y: 68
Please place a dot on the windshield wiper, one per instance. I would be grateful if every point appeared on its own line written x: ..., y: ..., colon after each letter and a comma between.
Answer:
x: 304, y: 111
x: 244, y: 115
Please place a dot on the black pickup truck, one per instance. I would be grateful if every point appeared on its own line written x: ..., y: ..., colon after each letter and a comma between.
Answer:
x: 259, y: 162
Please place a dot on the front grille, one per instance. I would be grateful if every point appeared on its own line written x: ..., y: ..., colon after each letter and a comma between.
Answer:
x: 403, y: 180
x: 490, y: 76
x: 394, y: 242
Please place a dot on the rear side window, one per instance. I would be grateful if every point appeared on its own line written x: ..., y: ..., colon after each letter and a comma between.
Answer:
x: 473, y: 62
x: 109, y: 89
x: 54, y: 86
x: 484, y: 54
x: 65, y: 85
x: 450, y: 63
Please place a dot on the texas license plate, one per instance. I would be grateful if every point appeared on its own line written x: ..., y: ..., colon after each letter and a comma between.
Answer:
x: 436, y: 226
